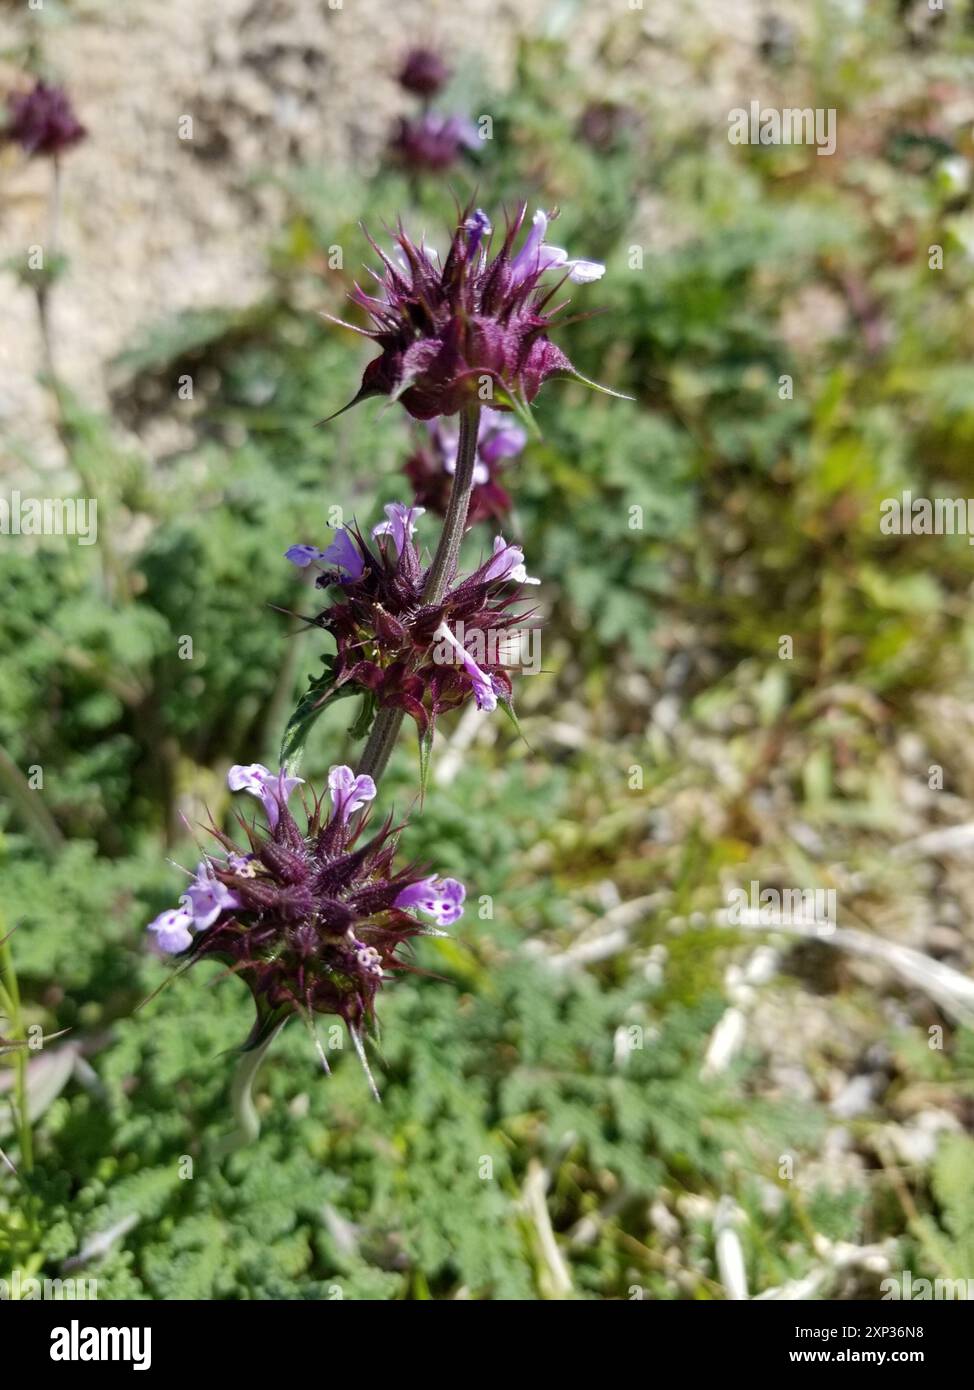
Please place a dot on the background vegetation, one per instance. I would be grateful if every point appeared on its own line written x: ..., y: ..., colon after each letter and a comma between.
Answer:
x: 670, y: 752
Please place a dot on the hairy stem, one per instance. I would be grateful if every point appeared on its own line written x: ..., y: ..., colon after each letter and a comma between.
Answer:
x: 382, y: 740
x: 444, y: 563
x: 388, y: 722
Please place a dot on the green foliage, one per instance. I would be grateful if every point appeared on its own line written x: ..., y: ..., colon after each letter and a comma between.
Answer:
x: 679, y: 537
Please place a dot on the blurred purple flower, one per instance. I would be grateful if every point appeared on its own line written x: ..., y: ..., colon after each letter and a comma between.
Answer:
x: 431, y: 466
x: 423, y: 72
x: 431, y: 141
x: 42, y: 121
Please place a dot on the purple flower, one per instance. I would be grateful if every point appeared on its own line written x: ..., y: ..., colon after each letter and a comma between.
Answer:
x: 445, y: 327
x: 507, y: 563
x: 303, y: 555
x: 399, y: 524
x: 603, y: 124
x: 484, y: 689
x: 403, y: 652
x: 341, y: 554
x: 206, y: 897
x: 535, y: 257
x: 310, y: 919
x: 430, y: 468
x: 477, y: 226
x: 348, y: 792
x: 271, y: 789
x: 500, y: 437
x: 172, y: 930
x: 42, y: 121
x: 441, y: 899
x: 433, y: 142
x: 423, y: 72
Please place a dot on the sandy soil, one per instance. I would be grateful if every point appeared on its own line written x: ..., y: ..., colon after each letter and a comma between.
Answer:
x: 153, y: 223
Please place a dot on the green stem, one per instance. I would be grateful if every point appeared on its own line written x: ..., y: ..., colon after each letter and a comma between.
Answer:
x: 242, y: 1098
x: 388, y: 722
x: 11, y: 996
x: 36, y: 816
x: 444, y: 564
x: 382, y: 740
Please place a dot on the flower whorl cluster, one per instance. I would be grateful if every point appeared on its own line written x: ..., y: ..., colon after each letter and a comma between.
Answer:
x: 423, y: 72
x: 42, y: 121
x: 450, y: 330
x: 311, y: 918
x: 432, y: 465
x: 424, y: 658
x: 429, y: 141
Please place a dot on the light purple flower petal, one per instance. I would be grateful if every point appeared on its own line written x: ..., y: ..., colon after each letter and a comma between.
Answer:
x: 441, y: 899
x: 303, y: 555
x: 483, y: 686
x: 348, y: 792
x: 584, y: 272
x: 462, y: 130
x: 481, y: 473
x: 552, y: 258
x: 527, y: 260
x: 400, y: 524
x: 343, y: 553
x: 499, y: 437
x: 508, y: 563
x: 536, y: 256
x: 206, y: 897
x: 172, y: 930
x: 477, y: 226
x: 271, y: 789
x: 484, y: 690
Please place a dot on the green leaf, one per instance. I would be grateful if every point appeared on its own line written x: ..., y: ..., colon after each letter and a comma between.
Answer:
x: 363, y: 720
x: 320, y: 693
x: 425, y: 754
x: 508, y: 707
